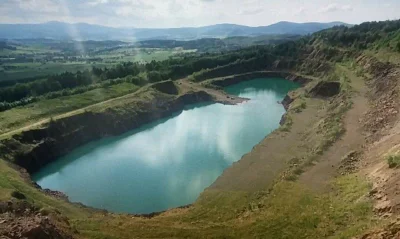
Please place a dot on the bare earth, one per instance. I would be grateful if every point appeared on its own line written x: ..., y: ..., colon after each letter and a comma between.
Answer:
x: 319, y: 176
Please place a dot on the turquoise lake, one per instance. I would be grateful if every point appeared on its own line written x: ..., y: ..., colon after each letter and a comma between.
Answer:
x: 168, y: 163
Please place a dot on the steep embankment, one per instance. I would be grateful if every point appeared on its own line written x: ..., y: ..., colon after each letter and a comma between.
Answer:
x: 34, y: 148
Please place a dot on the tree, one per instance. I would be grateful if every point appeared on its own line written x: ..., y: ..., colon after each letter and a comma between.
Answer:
x: 154, y: 76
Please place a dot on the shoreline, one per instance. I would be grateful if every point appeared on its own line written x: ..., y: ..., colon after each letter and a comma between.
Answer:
x: 196, y: 94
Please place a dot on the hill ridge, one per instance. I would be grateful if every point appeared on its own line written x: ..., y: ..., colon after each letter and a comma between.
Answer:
x: 85, y: 31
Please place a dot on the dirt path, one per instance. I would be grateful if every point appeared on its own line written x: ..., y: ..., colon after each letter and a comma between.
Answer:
x: 67, y: 114
x: 319, y: 176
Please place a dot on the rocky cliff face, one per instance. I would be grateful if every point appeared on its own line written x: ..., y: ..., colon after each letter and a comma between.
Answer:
x: 35, y: 148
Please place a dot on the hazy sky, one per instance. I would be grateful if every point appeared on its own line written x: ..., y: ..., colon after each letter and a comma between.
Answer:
x: 178, y: 13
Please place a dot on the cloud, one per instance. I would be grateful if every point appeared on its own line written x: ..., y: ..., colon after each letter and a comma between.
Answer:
x: 251, y: 11
x: 300, y: 11
x: 43, y: 6
x: 334, y: 7
x: 96, y: 2
x: 136, y: 8
x: 179, y: 13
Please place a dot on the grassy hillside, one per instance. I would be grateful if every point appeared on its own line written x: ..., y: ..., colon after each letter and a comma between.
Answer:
x: 323, y: 174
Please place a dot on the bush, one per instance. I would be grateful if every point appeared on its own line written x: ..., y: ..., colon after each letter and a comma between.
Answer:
x: 9, y: 105
x: 299, y: 106
x: 393, y: 160
x: 139, y: 80
x: 18, y: 195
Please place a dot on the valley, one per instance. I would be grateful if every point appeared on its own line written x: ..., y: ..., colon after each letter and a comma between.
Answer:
x: 328, y: 170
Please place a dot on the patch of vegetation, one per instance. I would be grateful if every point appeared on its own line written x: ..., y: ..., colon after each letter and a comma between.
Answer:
x: 344, y: 83
x: 292, y: 211
x: 393, y: 160
x: 287, y: 123
x: 331, y: 127
x: 11, y: 181
x: 298, y: 105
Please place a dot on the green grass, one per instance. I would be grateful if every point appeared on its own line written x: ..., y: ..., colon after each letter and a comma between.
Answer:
x: 331, y: 127
x: 25, y: 115
x: 393, y: 160
x: 293, y: 211
x: 289, y: 210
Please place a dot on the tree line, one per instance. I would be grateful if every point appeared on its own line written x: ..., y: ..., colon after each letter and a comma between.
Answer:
x: 142, y: 73
x: 206, y: 65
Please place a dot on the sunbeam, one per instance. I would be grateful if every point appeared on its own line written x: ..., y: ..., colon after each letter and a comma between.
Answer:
x: 74, y: 33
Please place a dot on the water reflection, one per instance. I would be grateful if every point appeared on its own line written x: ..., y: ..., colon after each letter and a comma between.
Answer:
x: 169, y: 163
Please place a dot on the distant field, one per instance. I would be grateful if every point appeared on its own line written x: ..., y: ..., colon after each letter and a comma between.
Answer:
x: 28, y: 50
x: 140, y: 54
x: 42, y: 68
x: 28, y: 70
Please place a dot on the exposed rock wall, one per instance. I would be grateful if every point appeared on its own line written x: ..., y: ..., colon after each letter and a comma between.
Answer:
x: 325, y: 89
x: 35, y: 148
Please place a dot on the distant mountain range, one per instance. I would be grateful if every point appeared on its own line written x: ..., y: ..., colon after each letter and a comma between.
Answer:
x: 84, y: 31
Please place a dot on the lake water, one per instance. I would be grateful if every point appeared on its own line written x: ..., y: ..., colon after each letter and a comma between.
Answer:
x: 168, y: 163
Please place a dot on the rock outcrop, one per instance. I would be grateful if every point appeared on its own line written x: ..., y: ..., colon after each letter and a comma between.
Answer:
x: 167, y: 87
x: 325, y: 89
x: 287, y: 101
x: 20, y: 219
